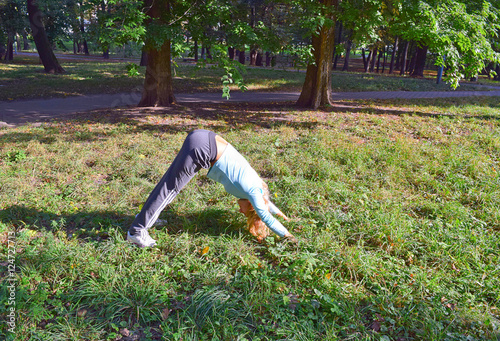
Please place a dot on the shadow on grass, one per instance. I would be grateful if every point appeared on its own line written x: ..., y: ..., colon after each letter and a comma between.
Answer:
x: 99, y: 225
x: 223, y: 117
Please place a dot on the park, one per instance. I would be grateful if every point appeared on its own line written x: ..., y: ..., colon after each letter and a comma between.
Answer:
x: 380, y: 140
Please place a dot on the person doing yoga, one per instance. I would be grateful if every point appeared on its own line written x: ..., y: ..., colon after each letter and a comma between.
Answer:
x: 205, y: 149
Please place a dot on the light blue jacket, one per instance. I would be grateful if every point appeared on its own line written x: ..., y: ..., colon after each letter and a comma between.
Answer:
x: 234, y: 172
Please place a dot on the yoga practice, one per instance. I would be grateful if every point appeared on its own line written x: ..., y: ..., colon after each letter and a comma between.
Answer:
x: 205, y: 149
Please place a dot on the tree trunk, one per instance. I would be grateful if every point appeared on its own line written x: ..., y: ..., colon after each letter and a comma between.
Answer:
x: 393, y: 55
x: 253, y: 57
x: 374, y: 58
x: 231, y: 53
x: 9, y: 54
x: 316, y: 90
x: 195, y: 50
x: 144, y: 58
x: 497, y: 71
x: 258, y: 59
x: 26, y: 45
x: 380, y: 54
x: 335, y: 60
x: 413, y: 59
x: 158, y: 90
x: 268, y: 59
x: 405, y: 56
x: 364, y: 58
x: 420, y: 58
x: 347, y: 55
x: 336, y: 43
x: 367, y: 61
x: 85, y: 47
x: 384, y: 60
x: 241, y: 56
x: 105, y: 46
x: 49, y: 60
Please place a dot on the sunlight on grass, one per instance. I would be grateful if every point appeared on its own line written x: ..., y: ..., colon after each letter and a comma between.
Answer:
x: 395, y: 205
x: 93, y: 77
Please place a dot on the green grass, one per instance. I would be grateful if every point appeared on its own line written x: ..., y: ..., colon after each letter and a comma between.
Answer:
x: 395, y: 205
x: 24, y: 79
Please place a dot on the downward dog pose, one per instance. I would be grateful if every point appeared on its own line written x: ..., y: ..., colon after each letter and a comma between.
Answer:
x: 205, y: 149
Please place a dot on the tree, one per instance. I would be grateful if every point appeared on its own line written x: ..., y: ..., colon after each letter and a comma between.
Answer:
x: 47, y: 56
x: 458, y: 33
x: 464, y: 38
x: 316, y: 90
x: 158, y: 90
x: 12, y: 21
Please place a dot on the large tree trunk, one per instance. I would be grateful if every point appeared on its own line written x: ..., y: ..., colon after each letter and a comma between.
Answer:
x: 42, y: 43
x: 316, y: 90
x: 158, y: 90
x: 420, y: 58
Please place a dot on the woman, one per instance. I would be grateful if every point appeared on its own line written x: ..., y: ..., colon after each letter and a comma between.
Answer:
x: 205, y: 149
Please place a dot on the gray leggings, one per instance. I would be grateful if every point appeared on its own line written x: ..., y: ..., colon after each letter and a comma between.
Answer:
x: 198, y: 151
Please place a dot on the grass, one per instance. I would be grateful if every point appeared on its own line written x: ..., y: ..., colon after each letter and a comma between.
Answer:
x: 395, y: 205
x: 24, y: 79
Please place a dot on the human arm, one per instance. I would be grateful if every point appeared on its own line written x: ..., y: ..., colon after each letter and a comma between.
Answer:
x: 257, y: 200
x: 276, y: 211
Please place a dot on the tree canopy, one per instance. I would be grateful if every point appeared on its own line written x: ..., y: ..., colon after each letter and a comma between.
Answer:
x: 461, y: 36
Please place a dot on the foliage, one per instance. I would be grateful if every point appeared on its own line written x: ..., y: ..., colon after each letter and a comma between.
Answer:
x: 11, y: 18
x: 112, y: 77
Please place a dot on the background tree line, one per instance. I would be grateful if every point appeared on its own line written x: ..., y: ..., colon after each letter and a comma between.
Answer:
x: 397, y: 35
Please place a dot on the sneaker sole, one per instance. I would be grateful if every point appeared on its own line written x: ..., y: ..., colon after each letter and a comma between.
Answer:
x: 139, y: 245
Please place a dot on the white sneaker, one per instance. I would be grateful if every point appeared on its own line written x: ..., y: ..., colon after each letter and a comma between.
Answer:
x: 141, y: 238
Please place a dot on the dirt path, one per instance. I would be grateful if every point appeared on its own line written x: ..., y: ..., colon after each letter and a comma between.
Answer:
x: 19, y: 112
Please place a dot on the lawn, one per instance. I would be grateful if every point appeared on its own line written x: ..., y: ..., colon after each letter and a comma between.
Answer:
x: 395, y: 205
x: 24, y: 79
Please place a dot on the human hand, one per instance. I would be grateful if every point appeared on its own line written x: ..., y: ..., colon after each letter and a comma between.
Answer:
x: 283, y: 216
x: 290, y: 237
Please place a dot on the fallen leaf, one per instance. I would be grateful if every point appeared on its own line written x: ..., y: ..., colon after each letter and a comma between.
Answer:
x: 165, y: 313
x: 81, y: 313
x: 205, y: 250
x: 125, y: 332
